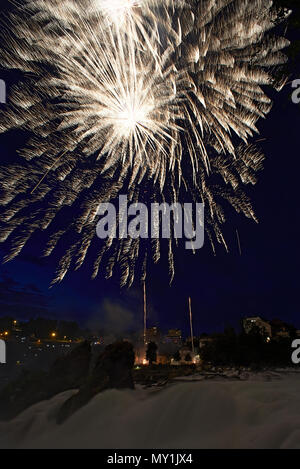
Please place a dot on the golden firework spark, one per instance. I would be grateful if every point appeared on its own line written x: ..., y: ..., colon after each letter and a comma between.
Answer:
x: 135, y: 96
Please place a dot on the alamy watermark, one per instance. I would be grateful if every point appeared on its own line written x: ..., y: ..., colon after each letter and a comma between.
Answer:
x: 2, y: 92
x: 163, y: 220
x: 2, y: 351
x: 296, y: 353
x: 296, y: 93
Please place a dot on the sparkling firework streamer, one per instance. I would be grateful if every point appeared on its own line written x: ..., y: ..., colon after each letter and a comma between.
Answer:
x: 142, y: 97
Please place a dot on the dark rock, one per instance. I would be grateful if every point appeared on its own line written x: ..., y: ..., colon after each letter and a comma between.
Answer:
x: 117, y: 362
x: 113, y: 370
x: 71, y: 370
x: 26, y: 390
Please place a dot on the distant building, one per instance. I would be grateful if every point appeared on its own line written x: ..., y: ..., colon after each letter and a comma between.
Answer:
x: 174, y: 336
x: 203, y: 341
x: 163, y: 359
x: 153, y: 334
x: 257, y: 322
x: 280, y: 328
x: 187, y: 357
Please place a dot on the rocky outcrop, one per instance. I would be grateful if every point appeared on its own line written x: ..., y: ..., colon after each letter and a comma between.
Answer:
x: 113, y: 370
x: 116, y: 362
x: 70, y: 371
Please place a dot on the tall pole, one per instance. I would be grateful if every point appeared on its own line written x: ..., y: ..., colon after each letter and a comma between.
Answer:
x: 239, y: 242
x: 145, y: 312
x: 191, y: 324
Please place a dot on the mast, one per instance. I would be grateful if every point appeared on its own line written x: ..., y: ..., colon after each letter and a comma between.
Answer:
x: 191, y: 324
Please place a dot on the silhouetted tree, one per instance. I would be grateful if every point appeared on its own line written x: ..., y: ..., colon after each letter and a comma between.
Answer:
x: 254, y: 349
x: 151, y: 353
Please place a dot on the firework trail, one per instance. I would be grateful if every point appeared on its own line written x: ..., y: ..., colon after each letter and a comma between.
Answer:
x: 153, y: 99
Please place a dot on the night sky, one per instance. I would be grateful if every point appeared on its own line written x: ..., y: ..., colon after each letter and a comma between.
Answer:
x: 224, y: 288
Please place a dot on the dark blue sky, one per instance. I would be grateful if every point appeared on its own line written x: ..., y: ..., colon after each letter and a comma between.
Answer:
x: 224, y: 288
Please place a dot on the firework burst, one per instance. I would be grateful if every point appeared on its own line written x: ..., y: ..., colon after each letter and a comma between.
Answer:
x: 132, y: 96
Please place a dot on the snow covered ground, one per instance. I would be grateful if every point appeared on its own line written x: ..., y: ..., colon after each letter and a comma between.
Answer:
x: 260, y: 412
